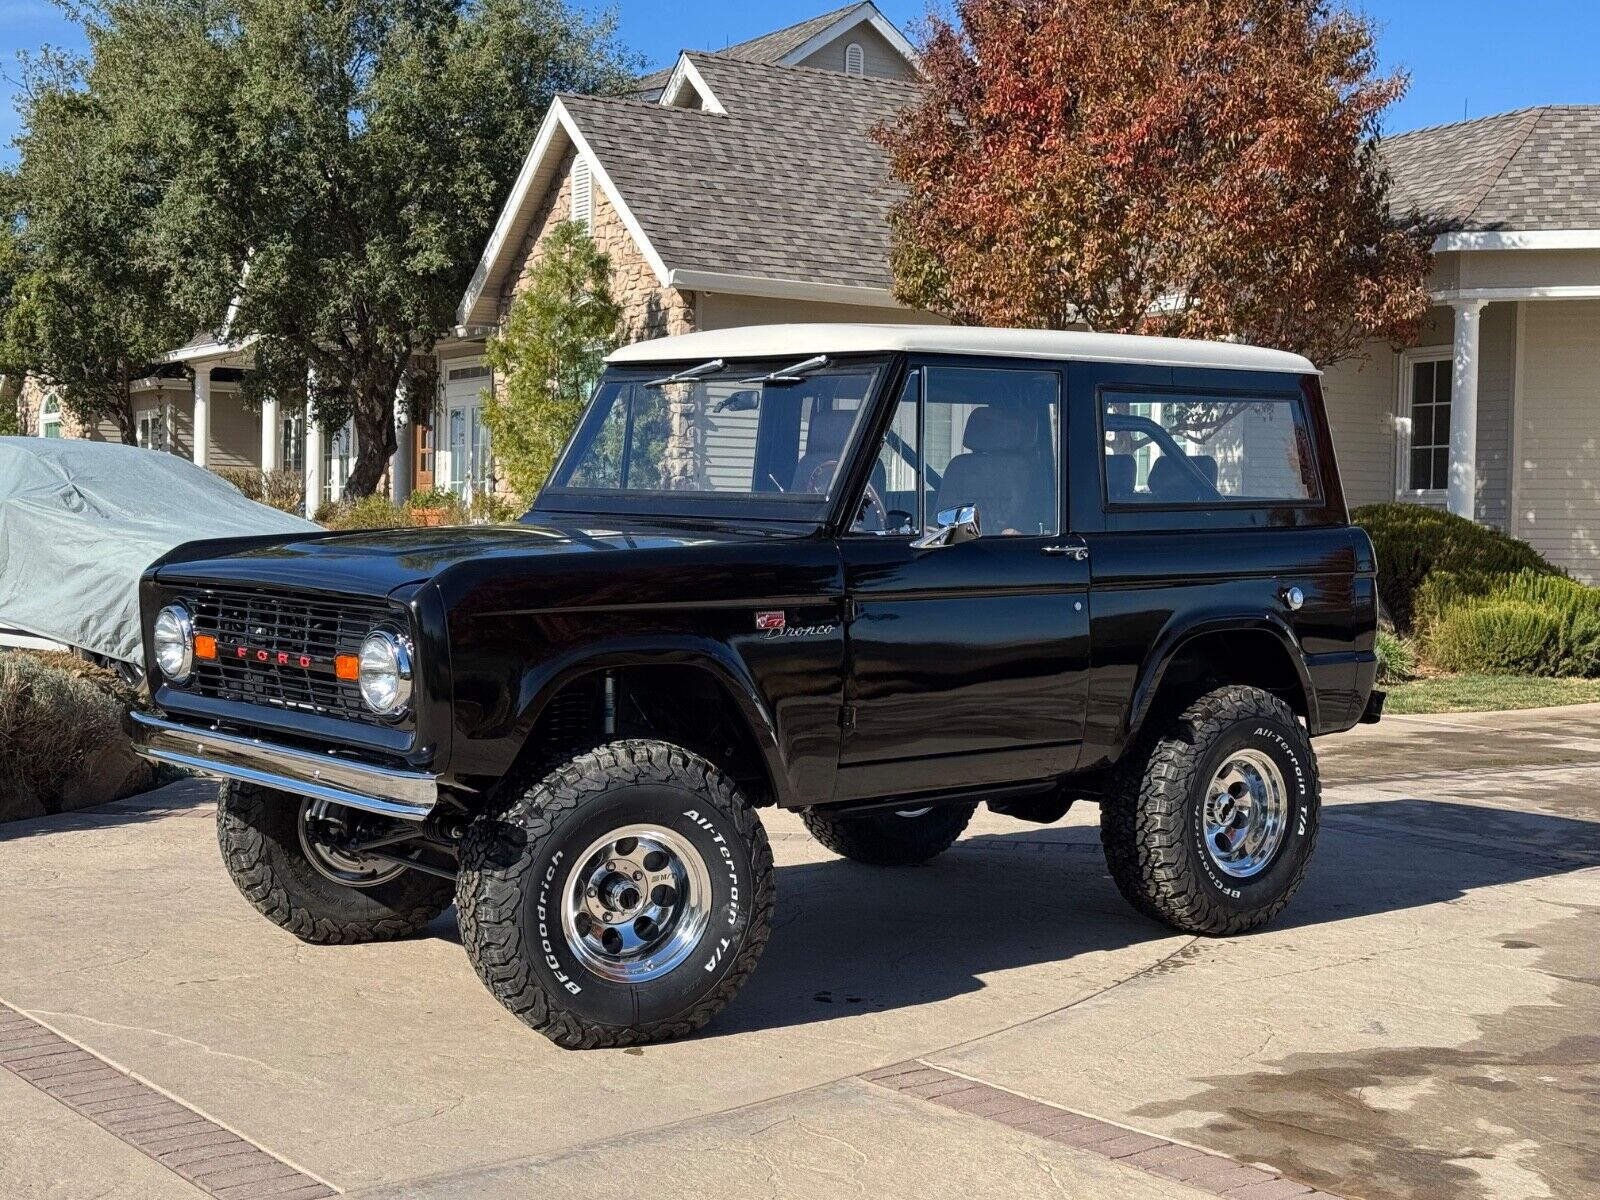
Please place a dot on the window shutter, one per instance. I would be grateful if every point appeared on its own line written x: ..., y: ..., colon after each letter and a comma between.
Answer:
x: 855, y: 60
x: 583, y: 194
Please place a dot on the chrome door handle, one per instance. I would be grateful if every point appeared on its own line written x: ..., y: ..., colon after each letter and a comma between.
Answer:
x: 1078, y: 553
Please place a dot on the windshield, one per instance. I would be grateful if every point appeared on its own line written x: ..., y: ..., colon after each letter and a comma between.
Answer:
x: 776, y: 430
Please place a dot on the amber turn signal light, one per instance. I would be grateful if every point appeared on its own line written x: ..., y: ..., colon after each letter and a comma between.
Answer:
x: 205, y: 647
x: 347, y: 666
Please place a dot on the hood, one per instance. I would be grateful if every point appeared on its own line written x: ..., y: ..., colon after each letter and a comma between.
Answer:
x: 377, y: 562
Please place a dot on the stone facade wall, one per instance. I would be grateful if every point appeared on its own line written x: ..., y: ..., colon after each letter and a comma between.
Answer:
x: 649, y: 310
x: 29, y: 406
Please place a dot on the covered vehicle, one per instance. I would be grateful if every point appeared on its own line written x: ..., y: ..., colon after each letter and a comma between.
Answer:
x: 81, y: 520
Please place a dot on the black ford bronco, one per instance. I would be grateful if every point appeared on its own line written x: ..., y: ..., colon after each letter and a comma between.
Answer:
x: 877, y: 575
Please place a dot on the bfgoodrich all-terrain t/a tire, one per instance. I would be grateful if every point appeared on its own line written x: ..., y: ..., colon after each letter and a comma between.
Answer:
x: 1212, y: 819
x: 259, y: 831
x: 623, y: 898
x: 890, y: 839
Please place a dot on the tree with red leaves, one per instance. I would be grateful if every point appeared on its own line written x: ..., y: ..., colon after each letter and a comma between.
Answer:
x: 1193, y: 168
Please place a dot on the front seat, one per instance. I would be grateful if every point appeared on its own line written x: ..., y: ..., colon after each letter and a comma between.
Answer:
x: 825, y: 438
x: 1001, y: 472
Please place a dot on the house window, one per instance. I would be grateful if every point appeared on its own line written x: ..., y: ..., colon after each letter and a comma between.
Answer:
x: 1427, y: 457
x: 583, y: 194
x: 293, y: 453
x: 50, y: 416
x: 152, y: 430
x: 855, y: 59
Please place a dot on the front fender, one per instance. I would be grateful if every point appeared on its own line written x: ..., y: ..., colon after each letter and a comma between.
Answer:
x: 1176, y: 636
x: 543, y: 680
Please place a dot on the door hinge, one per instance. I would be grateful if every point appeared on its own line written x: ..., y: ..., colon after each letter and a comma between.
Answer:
x: 847, y: 717
x: 852, y: 609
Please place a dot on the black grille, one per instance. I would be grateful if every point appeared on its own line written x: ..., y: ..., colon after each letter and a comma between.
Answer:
x: 279, y: 650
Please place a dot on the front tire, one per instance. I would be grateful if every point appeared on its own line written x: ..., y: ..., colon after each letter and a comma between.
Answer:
x: 1211, y: 821
x: 623, y: 898
x: 890, y: 839
x: 271, y: 852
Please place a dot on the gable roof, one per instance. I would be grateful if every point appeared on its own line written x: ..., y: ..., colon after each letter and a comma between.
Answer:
x: 1535, y: 169
x: 785, y: 193
x: 786, y: 46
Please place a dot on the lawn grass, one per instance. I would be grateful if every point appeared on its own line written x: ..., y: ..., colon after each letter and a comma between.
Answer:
x: 1485, y: 693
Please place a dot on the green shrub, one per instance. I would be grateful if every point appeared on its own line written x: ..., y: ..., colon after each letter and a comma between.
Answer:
x: 282, y: 489
x: 1413, y: 543
x: 369, y: 512
x: 490, y: 508
x: 432, y: 497
x: 53, y: 721
x: 1504, y: 632
x: 1397, y: 659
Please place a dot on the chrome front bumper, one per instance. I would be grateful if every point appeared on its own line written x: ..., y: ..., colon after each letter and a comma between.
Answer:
x: 409, y: 795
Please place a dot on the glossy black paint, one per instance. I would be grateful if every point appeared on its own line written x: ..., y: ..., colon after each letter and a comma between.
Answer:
x: 900, y: 672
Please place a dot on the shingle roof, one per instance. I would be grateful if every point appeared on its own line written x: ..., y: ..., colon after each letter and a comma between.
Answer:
x: 1532, y: 169
x: 768, y: 48
x: 775, y: 46
x: 788, y: 184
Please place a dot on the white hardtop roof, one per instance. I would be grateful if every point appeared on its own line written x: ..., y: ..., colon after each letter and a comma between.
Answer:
x: 778, y: 341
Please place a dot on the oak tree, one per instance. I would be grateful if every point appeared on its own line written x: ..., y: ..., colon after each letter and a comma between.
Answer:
x: 1193, y: 168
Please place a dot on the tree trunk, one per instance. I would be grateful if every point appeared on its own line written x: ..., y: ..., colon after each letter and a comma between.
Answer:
x: 127, y: 419
x: 375, y: 441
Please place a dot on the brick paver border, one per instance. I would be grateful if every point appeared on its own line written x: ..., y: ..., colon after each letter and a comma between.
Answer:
x: 1171, y: 1160
x: 213, y: 1158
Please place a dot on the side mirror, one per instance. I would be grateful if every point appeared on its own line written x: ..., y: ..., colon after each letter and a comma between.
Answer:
x: 953, y: 526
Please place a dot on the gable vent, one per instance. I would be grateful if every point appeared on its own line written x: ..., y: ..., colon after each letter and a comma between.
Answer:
x: 855, y: 59
x: 583, y: 193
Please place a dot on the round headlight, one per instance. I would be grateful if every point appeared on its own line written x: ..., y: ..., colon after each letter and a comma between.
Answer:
x: 174, y: 643
x: 385, y: 674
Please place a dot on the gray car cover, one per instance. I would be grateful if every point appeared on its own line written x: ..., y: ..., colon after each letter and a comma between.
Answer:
x: 80, y: 521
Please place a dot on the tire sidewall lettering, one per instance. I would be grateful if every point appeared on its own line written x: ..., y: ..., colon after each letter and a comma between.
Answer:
x: 1268, y: 736
x: 713, y: 835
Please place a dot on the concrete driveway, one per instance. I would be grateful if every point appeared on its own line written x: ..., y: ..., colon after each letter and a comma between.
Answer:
x: 1423, y: 1022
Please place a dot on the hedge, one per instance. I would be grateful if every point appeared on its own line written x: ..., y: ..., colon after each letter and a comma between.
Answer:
x: 61, y: 739
x: 1413, y: 543
x: 1528, y: 623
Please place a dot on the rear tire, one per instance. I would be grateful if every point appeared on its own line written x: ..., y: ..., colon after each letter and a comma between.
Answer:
x: 1211, y: 820
x: 890, y: 839
x: 259, y: 831
x: 624, y: 898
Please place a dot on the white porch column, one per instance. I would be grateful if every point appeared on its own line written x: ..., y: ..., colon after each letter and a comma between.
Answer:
x: 202, y: 415
x: 1462, y: 492
x: 313, y: 466
x: 271, y: 435
x: 400, y: 481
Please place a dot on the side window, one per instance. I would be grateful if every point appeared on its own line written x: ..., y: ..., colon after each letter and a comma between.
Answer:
x: 892, y: 503
x: 985, y: 437
x: 1166, y: 449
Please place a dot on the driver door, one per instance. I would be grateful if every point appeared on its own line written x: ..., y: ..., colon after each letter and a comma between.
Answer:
x: 967, y: 661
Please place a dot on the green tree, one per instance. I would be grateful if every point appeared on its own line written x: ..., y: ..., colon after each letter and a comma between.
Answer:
x: 324, y: 173
x: 560, y: 329
x: 84, y: 298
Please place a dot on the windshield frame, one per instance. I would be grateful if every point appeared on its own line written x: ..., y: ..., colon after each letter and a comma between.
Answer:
x: 809, y: 509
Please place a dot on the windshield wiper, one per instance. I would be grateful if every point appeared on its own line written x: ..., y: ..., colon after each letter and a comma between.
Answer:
x: 684, y: 376
x: 794, y: 374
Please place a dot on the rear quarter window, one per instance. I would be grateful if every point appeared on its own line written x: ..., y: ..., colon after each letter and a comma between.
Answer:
x: 1166, y: 449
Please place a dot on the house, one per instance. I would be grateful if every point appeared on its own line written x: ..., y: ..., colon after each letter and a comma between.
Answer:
x: 1495, y: 413
x: 737, y: 187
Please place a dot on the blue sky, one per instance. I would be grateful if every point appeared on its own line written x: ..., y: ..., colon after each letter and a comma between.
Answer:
x: 1465, y: 56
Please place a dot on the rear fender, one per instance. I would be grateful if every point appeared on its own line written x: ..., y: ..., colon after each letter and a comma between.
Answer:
x: 1171, y: 644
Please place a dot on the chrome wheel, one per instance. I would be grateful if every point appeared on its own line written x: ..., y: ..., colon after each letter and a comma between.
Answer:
x: 636, y: 904
x: 321, y: 818
x: 1246, y: 813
